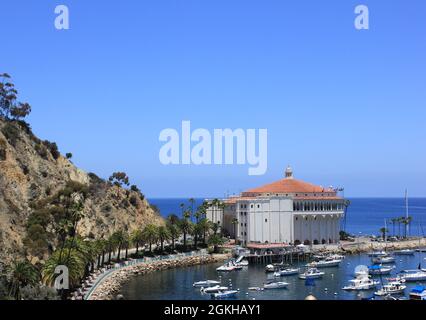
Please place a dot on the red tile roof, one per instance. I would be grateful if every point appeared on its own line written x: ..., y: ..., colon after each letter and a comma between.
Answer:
x: 288, y: 186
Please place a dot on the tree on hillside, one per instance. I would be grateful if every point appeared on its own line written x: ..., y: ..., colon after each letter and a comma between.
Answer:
x: 10, y: 108
x: 119, y: 179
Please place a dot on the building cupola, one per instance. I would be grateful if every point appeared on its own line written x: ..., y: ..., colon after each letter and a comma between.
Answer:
x: 289, y: 173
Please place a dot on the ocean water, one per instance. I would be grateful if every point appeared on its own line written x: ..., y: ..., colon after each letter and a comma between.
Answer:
x: 365, y: 216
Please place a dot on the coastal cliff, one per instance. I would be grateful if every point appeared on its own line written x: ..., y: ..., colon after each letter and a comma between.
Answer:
x: 34, y: 176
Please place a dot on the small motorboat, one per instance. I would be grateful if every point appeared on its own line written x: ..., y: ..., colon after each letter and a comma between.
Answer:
x: 413, y: 275
x: 255, y: 289
x: 287, y: 272
x: 383, y: 260
x: 276, y: 285
x: 406, y: 252
x: 215, y: 289
x: 311, y: 273
x: 418, y: 293
x: 205, y: 284
x: 391, y: 288
x: 375, y: 254
x: 229, y: 267
x: 379, y: 270
x: 361, y: 283
x: 229, y: 294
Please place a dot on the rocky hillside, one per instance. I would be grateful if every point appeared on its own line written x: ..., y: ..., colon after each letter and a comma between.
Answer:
x: 33, y: 174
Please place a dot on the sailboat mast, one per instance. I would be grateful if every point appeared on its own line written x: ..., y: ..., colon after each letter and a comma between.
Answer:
x: 406, y: 212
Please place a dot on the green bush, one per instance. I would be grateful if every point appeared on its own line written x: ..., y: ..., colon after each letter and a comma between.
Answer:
x: 11, y: 132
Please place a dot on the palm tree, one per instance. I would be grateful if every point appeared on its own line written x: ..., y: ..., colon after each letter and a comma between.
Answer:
x: 196, y: 232
x: 163, y: 235
x: 394, y: 221
x: 75, y: 264
x: 126, y: 244
x: 192, y: 202
x: 174, y: 233
x: 216, y: 240
x: 384, y: 231
x: 111, y: 245
x: 182, y: 207
x: 205, y: 227
x: 186, y: 228
x: 137, y: 240
x: 118, y: 238
x: 173, y: 219
x: 21, y: 274
x: 150, y: 235
x: 215, y: 228
x: 235, y: 223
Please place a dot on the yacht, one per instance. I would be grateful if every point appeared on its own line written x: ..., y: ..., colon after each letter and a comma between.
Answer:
x: 215, y: 289
x: 205, y: 284
x: 391, y: 288
x: 361, y: 283
x: 229, y: 294
x: 312, y: 273
x: 379, y: 270
x: 329, y: 262
x: 276, y: 285
x: 418, y: 293
x: 287, y: 272
x: 413, y: 275
x: 376, y: 254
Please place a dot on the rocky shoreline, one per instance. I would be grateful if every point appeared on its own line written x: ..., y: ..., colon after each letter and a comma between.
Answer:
x: 364, y: 245
x: 109, y: 289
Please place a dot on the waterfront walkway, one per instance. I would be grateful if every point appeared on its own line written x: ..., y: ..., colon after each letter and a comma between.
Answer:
x: 107, y: 273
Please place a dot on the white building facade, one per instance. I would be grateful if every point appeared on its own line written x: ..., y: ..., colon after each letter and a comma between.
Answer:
x: 288, y: 211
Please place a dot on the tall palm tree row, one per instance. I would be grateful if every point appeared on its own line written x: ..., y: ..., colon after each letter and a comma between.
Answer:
x: 83, y: 256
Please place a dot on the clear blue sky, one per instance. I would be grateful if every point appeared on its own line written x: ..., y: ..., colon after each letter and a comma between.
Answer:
x: 343, y: 107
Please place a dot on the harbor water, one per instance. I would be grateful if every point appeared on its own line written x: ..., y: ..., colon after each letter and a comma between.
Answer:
x: 177, y: 284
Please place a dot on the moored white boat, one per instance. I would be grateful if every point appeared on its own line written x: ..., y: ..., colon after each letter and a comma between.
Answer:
x: 276, y: 285
x: 418, y: 293
x: 327, y: 263
x: 375, y: 254
x: 215, y: 289
x: 379, y: 270
x: 312, y: 273
x: 383, y: 260
x: 405, y: 252
x: 361, y: 283
x: 391, y: 288
x: 225, y: 294
x: 229, y: 267
x: 207, y: 283
x: 413, y: 275
x: 287, y: 272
